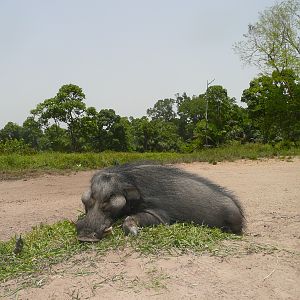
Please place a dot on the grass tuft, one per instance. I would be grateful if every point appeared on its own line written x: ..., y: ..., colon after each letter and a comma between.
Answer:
x: 46, y: 245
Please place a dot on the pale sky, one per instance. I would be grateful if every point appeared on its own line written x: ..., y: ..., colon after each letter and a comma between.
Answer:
x: 125, y: 55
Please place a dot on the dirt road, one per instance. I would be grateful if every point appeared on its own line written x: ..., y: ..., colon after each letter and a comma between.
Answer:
x: 269, y: 191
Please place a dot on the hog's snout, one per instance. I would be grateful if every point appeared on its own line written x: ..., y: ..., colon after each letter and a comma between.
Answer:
x: 88, y: 233
x: 88, y: 237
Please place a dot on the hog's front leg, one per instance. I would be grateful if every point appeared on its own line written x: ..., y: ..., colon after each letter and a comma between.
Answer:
x: 147, y: 218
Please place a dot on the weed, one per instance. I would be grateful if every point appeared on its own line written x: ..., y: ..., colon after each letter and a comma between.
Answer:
x: 74, y: 294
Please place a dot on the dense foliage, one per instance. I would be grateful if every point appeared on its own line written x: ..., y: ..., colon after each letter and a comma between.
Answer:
x: 65, y: 124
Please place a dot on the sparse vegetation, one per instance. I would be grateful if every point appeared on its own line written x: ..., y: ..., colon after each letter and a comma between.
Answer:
x: 17, y: 165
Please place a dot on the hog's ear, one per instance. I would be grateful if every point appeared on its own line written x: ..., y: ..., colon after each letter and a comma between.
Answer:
x: 132, y: 193
x: 86, y: 196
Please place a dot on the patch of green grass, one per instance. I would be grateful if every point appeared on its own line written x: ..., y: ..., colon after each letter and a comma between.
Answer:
x: 16, y: 165
x: 182, y: 237
x: 42, y: 246
x: 49, y: 244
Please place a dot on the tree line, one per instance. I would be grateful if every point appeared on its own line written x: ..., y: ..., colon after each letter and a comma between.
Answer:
x: 185, y: 123
x: 64, y: 122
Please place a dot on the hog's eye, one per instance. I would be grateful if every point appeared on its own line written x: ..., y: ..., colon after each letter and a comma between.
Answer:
x: 108, y: 198
x: 105, y: 206
x: 107, y: 202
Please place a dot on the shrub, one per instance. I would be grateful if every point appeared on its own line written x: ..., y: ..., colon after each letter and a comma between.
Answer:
x: 15, y: 146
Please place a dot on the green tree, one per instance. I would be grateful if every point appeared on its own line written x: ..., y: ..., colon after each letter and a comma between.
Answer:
x: 55, y: 138
x: 142, y: 132
x: 121, y: 139
x: 32, y: 133
x: 65, y: 109
x: 238, y: 126
x: 204, y: 134
x: 191, y: 110
x: 274, y: 105
x: 70, y: 97
x: 106, y: 119
x: 104, y: 130
x: 11, y: 131
x: 89, y: 130
x: 165, y: 136
x: 163, y: 109
x: 273, y: 42
x: 220, y: 113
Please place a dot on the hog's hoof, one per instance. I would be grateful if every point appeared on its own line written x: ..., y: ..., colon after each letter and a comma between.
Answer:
x: 130, y: 226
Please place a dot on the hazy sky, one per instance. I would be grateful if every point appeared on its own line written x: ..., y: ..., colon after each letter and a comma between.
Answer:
x: 125, y: 55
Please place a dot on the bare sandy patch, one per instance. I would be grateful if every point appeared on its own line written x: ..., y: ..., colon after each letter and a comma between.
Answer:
x: 269, y: 191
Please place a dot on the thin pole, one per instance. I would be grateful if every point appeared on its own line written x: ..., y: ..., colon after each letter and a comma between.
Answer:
x: 206, y: 110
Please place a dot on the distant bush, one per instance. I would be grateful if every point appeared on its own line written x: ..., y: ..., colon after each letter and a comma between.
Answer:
x: 285, y: 145
x: 15, y: 146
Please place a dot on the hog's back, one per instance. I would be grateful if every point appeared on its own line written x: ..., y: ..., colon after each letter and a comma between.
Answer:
x: 182, y: 196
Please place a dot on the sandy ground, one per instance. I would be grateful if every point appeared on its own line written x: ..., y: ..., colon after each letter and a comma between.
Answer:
x: 269, y: 191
